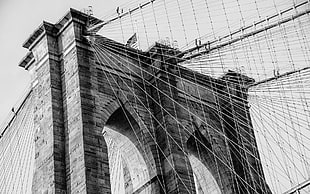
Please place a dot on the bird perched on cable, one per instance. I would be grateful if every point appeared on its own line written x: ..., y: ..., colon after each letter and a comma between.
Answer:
x: 13, y: 110
x: 117, y: 10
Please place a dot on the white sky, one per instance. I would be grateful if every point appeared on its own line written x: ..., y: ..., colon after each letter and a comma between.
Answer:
x: 18, y: 19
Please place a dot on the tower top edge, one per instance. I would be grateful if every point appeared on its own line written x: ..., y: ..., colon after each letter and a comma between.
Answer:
x: 54, y: 29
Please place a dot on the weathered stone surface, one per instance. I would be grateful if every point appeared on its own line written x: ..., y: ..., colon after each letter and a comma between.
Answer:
x: 177, y: 120
x: 50, y: 173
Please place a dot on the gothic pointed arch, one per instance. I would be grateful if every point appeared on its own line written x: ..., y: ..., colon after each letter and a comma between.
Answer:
x: 211, y: 173
x: 129, y: 152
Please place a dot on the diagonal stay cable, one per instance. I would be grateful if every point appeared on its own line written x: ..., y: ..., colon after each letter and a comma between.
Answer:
x: 207, y: 148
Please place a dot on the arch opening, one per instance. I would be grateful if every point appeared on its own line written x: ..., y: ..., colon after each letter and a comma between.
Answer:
x: 204, y: 180
x: 129, y: 168
x: 206, y: 175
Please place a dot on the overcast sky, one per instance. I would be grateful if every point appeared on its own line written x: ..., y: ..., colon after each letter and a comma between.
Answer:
x: 18, y: 19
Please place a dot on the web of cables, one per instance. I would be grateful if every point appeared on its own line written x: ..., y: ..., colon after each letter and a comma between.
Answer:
x: 17, y: 149
x: 265, y: 40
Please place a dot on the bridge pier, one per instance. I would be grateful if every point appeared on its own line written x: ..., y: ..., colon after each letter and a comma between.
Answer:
x: 171, y: 137
x: 71, y: 154
x: 49, y: 176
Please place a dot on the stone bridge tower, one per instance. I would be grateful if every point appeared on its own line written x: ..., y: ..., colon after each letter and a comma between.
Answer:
x: 178, y: 139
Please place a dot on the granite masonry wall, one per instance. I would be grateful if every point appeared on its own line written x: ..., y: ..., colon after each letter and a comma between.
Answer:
x: 147, y: 98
